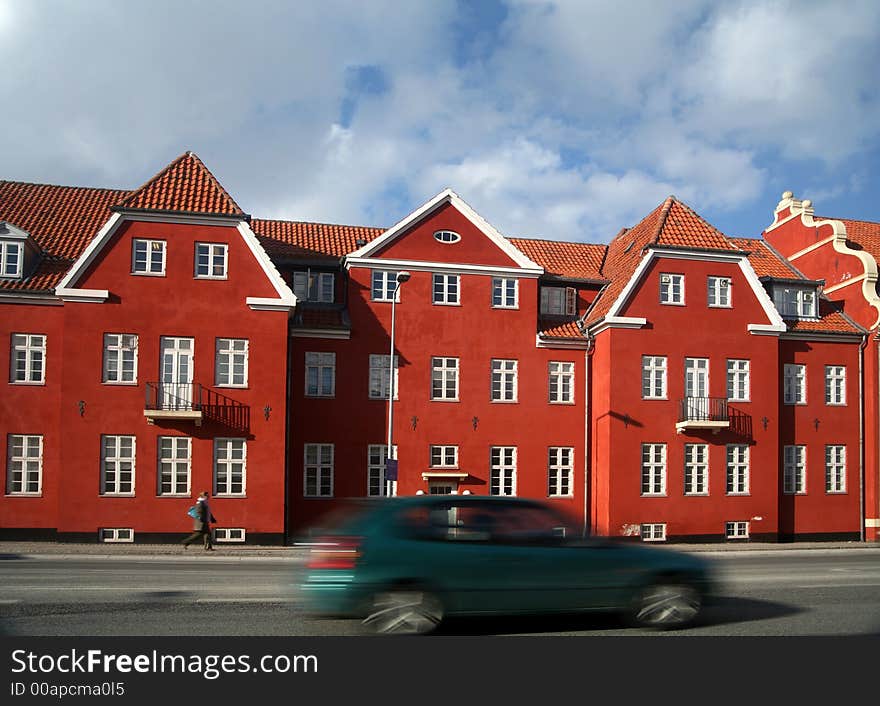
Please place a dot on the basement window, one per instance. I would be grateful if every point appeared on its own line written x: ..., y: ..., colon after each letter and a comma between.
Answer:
x: 737, y: 530
x: 116, y: 535
x: 229, y: 535
x: 654, y: 532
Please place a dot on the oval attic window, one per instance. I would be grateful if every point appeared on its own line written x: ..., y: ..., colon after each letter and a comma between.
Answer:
x: 447, y: 236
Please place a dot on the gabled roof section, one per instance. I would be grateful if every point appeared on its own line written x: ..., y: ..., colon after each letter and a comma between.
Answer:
x: 184, y: 186
x: 580, y: 261
x: 864, y: 234
x: 447, y: 196
x: 766, y: 261
x: 298, y: 240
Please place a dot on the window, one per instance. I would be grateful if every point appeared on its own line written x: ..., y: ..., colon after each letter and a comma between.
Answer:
x: 24, y: 464
x: 696, y: 469
x: 377, y: 484
x: 504, y: 381
x: 117, y: 465
x: 560, y: 468
x: 794, y: 302
x: 11, y: 256
x: 561, y: 382
x: 835, y: 469
x: 835, y: 384
x: 444, y: 457
x: 505, y: 293
x: 653, y: 377
x: 384, y: 286
x: 444, y: 379
x: 318, y: 471
x: 653, y: 469
x: 120, y: 358
x: 28, y: 358
x: 719, y: 291
x: 446, y: 288
x: 738, y: 382
x: 211, y: 260
x: 794, y: 381
x: 380, y: 378
x: 559, y: 301
x: 737, y: 469
x: 229, y: 535
x: 175, y: 462
x: 315, y: 286
x: 671, y: 289
x: 737, y: 530
x: 447, y: 236
x: 502, y: 470
x: 230, y: 466
x: 654, y: 532
x: 794, y: 469
x: 231, y: 362
x: 116, y: 535
x: 320, y: 374
x: 148, y: 257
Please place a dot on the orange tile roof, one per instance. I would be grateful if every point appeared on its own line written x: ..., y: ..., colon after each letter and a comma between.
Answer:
x: 184, y: 185
x: 564, y: 259
x: 308, y: 317
x: 62, y: 220
x: 865, y: 234
x: 554, y: 328
x: 765, y: 260
x: 298, y: 239
x: 832, y: 319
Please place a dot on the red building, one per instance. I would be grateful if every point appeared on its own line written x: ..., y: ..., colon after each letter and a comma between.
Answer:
x: 162, y: 342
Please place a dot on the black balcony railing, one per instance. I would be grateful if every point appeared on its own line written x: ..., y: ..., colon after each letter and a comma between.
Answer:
x: 703, y: 409
x: 194, y: 397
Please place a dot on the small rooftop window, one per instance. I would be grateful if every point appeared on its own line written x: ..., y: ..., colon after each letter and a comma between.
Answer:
x: 447, y: 236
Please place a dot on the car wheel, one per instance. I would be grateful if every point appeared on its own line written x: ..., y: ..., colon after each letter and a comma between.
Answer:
x: 404, y: 611
x: 666, y: 605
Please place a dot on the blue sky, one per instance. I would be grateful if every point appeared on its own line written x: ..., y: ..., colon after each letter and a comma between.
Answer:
x: 564, y: 120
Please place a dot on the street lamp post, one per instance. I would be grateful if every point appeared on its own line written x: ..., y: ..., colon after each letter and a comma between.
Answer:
x: 400, y: 279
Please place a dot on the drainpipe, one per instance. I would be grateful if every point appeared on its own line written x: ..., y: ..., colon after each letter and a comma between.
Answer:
x: 287, y: 444
x: 588, y: 357
x: 862, y: 347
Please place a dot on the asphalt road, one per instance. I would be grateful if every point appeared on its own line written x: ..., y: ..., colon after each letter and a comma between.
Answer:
x: 774, y: 593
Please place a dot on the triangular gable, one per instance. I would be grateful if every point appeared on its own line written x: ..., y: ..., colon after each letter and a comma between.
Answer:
x: 184, y: 186
x: 445, y: 197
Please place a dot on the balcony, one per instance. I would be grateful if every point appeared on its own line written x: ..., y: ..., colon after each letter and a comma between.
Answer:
x: 703, y: 413
x: 194, y: 402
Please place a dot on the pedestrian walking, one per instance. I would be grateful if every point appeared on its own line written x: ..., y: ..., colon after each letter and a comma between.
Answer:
x: 202, y: 523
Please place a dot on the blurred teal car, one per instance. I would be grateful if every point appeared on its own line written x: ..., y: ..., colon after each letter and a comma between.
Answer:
x: 402, y: 565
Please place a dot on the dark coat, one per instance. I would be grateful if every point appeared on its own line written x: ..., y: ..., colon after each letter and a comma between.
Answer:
x: 202, y: 522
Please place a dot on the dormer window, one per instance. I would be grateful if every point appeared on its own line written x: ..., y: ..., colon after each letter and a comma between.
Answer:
x: 314, y: 286
x: 795, y: 302
x: 559, y: 301
x: 11, y: 256
x: 447, y: 236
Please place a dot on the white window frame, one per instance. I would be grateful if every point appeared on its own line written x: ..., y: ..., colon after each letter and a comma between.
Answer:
x: 229, y: 354
x: 696, y: 469
x: 7, y: 247
x: 318, y: 471
x: 229, y: 535
x: 559, y: 301
x: 447, y: 237
x: 174, y: 466
x: 736, y: 529
x: 654, y: 375
x: 560, y: 472
x: 560, y: 382
x: 794, y: 384
x: 653, y: 532
x: 504, y: 383
x: 116, y: 535
x: 719, y: 292
x: 383, y: 286
x: 795, y: 303
x: 24, y: 469
x: 672, y: 289
x: 377, y: 484
x: 148, y: 267
x: 794, y: 470
x: 311, y: 286
x: 653, y: 470
x: 835, y: 385
x: 214, y: 252
x: 319, y: 363
x: 502, y: 470
x: 113, y: 461
x: 739, y: 382
x: 380, y: 379
x: 230, y: 453
x: 835, y: 469
x: 28, y: 349
x: 446, y: 289
x: 505, y: 293
x: 738, y: 469
x: 444, y: 375
x: 120, y: 350
x: 443, y: 456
